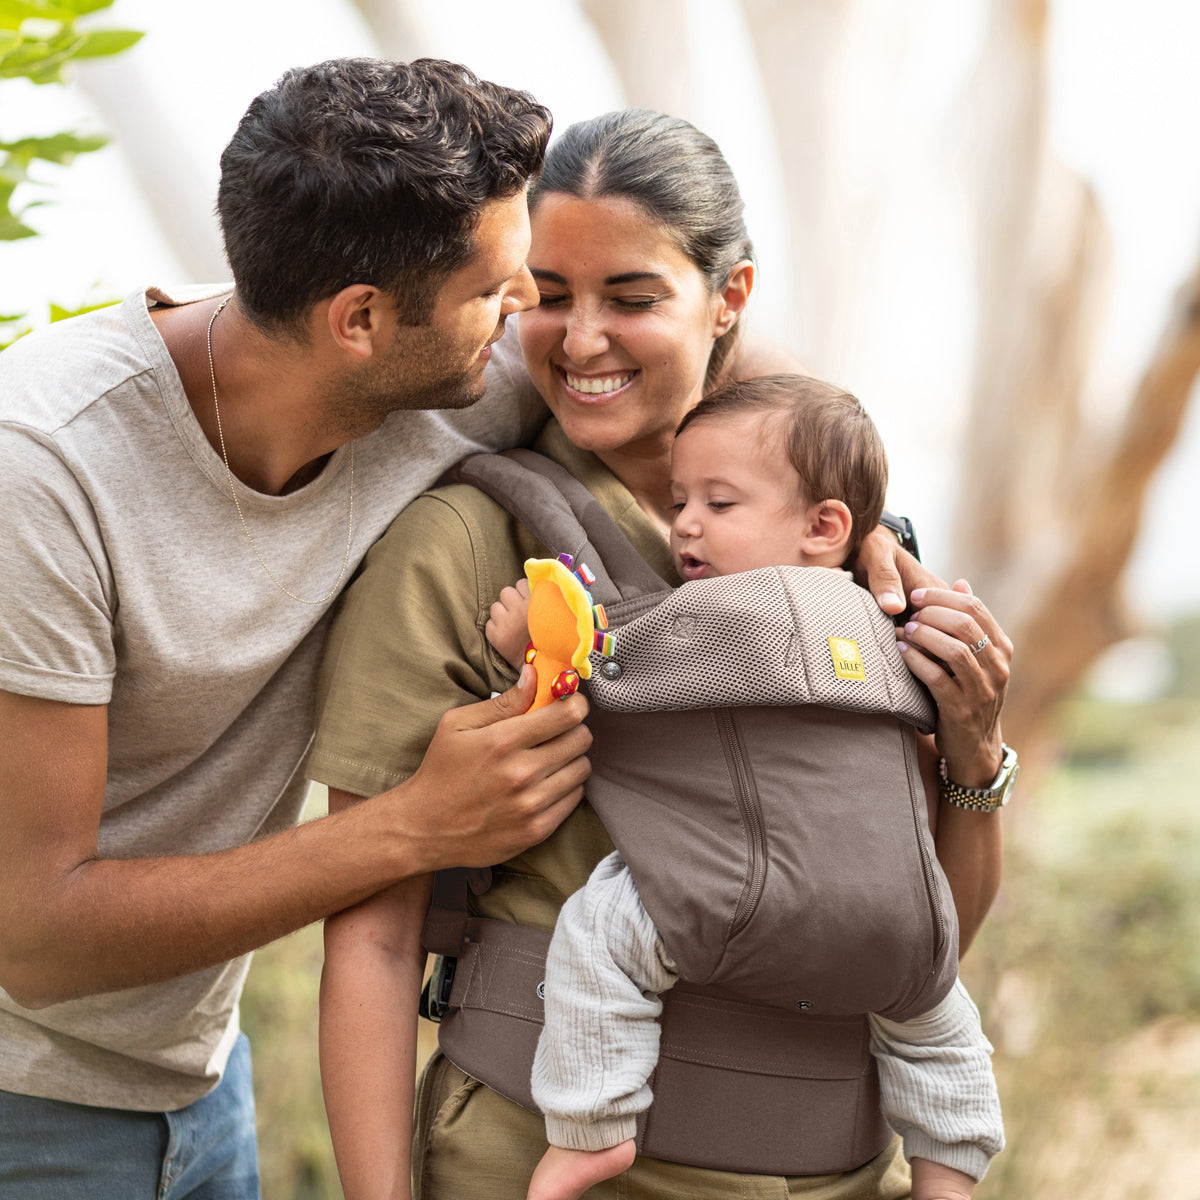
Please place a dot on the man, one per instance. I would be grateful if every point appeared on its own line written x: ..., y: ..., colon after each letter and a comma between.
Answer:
x: 184, y: 490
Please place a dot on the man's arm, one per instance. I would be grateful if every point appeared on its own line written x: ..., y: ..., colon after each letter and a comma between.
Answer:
x: 889, y: 572
x: 493, y: 781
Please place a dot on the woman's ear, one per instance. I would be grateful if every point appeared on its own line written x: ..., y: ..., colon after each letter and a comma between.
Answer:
x: 827, y: 528
x: 733, y: 297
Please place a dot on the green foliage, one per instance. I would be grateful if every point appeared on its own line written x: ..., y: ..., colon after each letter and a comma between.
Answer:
x: 14, y: 326
x: 38, y: 38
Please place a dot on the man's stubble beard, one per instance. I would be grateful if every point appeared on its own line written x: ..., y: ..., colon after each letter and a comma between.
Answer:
x: 360, y: 402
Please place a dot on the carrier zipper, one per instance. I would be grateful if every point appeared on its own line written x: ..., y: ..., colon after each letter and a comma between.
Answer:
x: 748, y: 807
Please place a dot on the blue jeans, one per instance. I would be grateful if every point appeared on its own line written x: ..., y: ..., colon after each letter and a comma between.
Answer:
x: 51, y: 1150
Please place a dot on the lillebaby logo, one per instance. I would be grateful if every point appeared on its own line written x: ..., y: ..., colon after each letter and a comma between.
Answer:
x: 847, y: 661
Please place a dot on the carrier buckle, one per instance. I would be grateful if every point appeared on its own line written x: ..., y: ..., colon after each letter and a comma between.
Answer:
x: 435, y: 995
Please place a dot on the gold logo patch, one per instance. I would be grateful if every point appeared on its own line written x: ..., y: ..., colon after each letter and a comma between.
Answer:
x: 847, y: 661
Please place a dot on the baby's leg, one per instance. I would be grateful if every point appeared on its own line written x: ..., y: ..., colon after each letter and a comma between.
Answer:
x: 567, y: 1174
x: 600, y: 1041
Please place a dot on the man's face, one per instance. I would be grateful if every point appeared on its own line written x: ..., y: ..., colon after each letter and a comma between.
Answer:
x: 441, y: 364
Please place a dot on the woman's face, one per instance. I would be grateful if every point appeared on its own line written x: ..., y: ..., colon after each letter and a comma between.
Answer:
x: 620, y: 342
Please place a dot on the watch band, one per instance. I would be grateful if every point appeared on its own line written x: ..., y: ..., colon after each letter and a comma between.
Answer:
x: 902, y: 527
x: 987, y: 799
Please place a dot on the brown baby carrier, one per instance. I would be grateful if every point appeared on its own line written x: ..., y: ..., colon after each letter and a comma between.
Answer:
x: 755, y: 763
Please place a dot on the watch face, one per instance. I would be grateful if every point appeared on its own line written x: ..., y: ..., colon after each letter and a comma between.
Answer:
x: 1010, y: 782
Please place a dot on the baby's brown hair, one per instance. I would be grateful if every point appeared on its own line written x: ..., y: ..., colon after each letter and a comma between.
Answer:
x: 832, y: 444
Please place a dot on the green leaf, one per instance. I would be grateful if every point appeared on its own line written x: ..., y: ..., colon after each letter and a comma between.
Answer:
x: 12, y: 172
x: 5, y: 345
x: 8, y: 39
x: 58, y: 313
x: 12, y: 229
x: 57, y: 148
x: 83, y: 7
x: 13, y: 12
x: 106, y: 41
x: 34, y: 59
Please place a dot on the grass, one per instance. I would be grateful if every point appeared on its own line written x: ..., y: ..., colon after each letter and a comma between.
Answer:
x: 1088, y: 971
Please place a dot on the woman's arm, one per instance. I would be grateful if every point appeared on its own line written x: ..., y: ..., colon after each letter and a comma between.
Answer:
x: 370, y: 986
x: 940, y: 646
x: 969, y: 847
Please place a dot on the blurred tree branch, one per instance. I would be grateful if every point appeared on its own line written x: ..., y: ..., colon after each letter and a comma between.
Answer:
x: 1081, y: 610
x: 1050, y: 503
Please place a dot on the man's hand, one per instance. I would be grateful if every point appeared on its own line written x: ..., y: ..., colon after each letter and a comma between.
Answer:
x: 495, y: 780
x: 889, y: 572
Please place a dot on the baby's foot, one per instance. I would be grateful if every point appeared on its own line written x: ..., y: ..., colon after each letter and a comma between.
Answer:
x: 567, y: 1174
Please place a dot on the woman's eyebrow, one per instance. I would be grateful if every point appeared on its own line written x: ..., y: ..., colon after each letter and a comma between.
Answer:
x: 611, y: 281
x: 633, y: 277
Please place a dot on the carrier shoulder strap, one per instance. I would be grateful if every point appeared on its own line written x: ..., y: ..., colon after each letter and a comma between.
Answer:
x: 559, y: 511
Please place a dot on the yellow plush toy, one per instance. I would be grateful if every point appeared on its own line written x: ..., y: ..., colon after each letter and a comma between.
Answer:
x: 564, y: 626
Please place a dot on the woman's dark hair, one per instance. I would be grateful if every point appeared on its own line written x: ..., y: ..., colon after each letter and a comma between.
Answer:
x: 829, y: 439
x: 674, y: 172
x: 360, y: 170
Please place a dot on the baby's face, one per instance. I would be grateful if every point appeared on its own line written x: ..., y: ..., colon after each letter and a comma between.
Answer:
x: 737, y: 499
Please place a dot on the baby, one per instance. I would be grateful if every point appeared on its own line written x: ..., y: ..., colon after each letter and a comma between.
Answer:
x: 776, y: 471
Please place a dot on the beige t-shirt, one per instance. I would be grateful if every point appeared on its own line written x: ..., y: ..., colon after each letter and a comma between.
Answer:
x: 126, y: 580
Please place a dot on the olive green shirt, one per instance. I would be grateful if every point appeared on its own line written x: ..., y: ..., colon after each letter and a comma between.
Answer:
x: 409, y: 643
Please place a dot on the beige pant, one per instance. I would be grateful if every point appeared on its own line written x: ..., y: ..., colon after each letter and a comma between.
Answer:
x: 470, y: 1143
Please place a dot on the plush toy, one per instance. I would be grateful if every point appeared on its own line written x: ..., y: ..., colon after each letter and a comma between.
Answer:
x: 564, y: 626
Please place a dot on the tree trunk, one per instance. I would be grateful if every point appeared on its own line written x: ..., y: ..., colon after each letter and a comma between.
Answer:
x: 648, y: 46
x: 398, y: 27
x: 1081, y: 611
x: 800, y: 50
x: 1049, y: 504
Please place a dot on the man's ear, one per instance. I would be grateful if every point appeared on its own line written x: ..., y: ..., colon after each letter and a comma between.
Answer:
x: 353, y: 319
x: 827, y: 527
x: 734, y: 297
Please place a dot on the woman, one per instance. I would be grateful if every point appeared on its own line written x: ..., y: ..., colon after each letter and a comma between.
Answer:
x: 644, y: 269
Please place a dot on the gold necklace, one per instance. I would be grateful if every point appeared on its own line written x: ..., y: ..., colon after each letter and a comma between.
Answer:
x: 212, y: 372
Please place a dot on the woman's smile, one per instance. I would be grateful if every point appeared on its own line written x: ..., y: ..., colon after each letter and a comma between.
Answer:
x: 592, y: 387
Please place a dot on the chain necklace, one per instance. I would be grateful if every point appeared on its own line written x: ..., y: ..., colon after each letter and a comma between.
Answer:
x: 212, y: 371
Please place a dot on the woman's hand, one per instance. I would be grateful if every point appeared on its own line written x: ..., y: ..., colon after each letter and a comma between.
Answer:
x: 953, y: 645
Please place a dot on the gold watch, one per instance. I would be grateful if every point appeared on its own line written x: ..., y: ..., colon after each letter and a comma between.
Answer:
x: 986, y: 799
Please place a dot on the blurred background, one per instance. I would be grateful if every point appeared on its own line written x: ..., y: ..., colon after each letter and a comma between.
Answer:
x: 979, y: 215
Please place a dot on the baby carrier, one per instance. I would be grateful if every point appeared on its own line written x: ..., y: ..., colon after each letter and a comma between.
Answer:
x: 754, y: 761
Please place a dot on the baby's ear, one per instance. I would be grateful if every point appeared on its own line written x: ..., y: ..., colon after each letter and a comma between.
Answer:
x: 828, y: 526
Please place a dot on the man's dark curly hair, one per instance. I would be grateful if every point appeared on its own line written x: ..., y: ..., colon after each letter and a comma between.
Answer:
x: 360, y: 170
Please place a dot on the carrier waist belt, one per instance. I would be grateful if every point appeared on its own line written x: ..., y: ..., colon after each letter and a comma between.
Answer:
x: 738, y: 1087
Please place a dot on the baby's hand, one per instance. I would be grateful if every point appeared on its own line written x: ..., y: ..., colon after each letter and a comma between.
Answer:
x: 508, y: 624
x: 932, y: 1181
